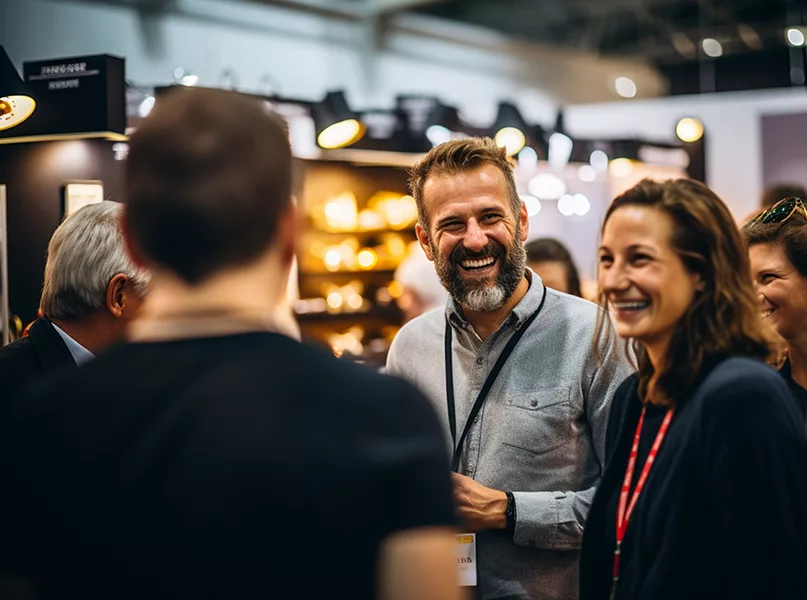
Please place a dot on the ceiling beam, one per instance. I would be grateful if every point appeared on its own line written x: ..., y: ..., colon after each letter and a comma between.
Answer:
x: 380, y: 7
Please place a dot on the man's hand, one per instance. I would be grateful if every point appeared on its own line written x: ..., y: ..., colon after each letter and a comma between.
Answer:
x: 480, y: 508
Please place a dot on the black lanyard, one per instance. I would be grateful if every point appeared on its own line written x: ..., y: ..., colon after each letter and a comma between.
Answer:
x: 483, y: 393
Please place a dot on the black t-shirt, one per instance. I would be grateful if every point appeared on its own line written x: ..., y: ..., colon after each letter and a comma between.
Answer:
x: 722, y: 513
x: 233, y: 467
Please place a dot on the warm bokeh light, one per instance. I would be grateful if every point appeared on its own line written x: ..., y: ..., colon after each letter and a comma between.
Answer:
x: 511, y: 139
x: 620, y: 167
x: 14, y: 110
x: 689, y: 129
x: 340, y: 134
x: 367, y: 258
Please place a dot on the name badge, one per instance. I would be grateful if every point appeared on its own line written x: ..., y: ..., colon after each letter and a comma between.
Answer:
x: 466, y: 559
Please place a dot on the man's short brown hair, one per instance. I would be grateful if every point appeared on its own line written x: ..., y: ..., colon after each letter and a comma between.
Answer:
x: 460, y: 156
x: 207, y: 177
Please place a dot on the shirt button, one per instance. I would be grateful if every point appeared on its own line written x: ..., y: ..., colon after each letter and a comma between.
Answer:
x: 476, y: 419
x: 480, y: 361
x: 534, y: 403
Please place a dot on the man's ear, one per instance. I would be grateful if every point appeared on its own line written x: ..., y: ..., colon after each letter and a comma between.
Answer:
x: 132, y: 249
x: 423, y: 238
x: 116, y: 295
x: 524, y: 221
x: 288, y: 226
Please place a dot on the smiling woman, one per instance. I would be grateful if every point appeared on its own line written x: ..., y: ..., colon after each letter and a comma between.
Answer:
x: 705, y: 433
x: 777, y: 241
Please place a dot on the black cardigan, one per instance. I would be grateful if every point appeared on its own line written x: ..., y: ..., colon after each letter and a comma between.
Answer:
x: 723, y: 513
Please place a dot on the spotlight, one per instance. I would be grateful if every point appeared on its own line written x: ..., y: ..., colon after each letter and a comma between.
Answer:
x: 795, y: 37
x: 145, y: 107
x: 528, y: 158
x: 16, y: 102
x: 440, y: 123
x: 186, y: 78
x: 510, y: 127
x: 560, y: 145
x: 712, y: 47
x: 689, y: 129
x: 625, y: 87
x: 599, y: 160
x: 337, y: 126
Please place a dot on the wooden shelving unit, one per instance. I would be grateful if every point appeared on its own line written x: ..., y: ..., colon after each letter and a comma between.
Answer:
x: 329, y: 312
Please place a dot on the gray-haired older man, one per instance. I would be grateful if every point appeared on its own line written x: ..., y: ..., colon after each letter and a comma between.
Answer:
x: 91, y: 290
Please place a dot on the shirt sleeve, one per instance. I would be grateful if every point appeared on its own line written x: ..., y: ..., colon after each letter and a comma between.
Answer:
x: 417, y: 486
x: 555, y: 520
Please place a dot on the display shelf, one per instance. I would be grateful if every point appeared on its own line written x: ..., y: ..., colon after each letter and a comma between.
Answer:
x: 366, y: 180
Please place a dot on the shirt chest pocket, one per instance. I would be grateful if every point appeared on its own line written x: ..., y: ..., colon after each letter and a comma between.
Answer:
x: 538, y: 421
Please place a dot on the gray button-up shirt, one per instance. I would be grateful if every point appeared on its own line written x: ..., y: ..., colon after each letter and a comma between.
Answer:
x: 540, y: 433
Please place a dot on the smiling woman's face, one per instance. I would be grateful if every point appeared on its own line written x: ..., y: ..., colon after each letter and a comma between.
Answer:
x: 781, y: 289
x: 642, y: 276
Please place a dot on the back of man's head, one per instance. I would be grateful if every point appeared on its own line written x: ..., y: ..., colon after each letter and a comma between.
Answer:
x: 208, y: 177
x: 85, y: 252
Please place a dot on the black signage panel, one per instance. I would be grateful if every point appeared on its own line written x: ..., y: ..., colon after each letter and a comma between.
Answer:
x: 85, y: 94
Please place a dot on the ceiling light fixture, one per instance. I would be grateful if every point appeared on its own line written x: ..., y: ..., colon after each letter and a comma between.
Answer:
x: 560, y: 145
x: 599, y: 160
x: 16, y: 102
x: 689, y: 129
x: 795, y: 36
x: 625, y: 87
x: 510, y: 129
x: 337, y: 126
x: 712, y: 47
x: 441, y: 123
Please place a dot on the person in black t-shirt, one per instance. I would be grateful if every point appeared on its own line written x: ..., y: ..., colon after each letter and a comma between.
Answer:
x: 777, y: 247
x: 213, y: 455
x: 705, y: 486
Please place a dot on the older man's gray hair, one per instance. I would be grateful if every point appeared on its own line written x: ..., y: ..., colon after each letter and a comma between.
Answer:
x: 85, y: 253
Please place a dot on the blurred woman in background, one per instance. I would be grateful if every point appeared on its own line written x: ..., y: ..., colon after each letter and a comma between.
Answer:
x: 777, y: 247
x: 705, y: 486
x: 554, y: 265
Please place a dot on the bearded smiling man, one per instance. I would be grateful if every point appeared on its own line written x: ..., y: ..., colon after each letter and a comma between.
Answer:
x: 512, y: 367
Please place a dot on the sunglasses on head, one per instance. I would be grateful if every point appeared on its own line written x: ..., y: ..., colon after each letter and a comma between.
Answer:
x: 780, y: 212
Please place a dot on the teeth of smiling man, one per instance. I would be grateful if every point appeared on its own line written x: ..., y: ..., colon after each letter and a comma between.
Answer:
x: 477, y: 264
x: 767, y: 313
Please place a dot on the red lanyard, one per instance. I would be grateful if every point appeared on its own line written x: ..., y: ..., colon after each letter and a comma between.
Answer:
x: 623, y: 515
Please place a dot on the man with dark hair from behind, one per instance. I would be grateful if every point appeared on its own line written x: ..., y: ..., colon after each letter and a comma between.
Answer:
x: 213, y: 455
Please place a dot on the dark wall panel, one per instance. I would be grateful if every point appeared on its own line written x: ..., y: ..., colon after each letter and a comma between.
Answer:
x: 34, y: 175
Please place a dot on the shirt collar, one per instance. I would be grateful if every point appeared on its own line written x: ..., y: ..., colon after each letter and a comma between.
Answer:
x: 79, y: 353
x: 522, y: 311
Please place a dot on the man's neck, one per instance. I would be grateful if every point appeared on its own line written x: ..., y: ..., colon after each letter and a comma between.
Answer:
x: 486, y: 323
x: 94, y: 334
x: 797, y: 354
x: 247, y: 299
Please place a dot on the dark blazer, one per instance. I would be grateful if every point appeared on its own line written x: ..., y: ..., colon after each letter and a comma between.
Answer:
x: 31, y: 358
x: 722, y: 513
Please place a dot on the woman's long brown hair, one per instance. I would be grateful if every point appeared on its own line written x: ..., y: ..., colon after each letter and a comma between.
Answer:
x: 724, y: 318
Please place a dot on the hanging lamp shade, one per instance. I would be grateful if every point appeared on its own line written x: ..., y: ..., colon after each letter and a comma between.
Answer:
x: 510, y: 128
x: 337, y: 126
x: 16, y: 101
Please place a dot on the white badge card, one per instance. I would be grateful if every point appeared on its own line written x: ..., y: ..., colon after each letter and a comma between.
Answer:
x: 466, y: 559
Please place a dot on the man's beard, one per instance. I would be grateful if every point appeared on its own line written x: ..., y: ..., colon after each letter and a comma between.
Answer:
x: 488, y: 294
